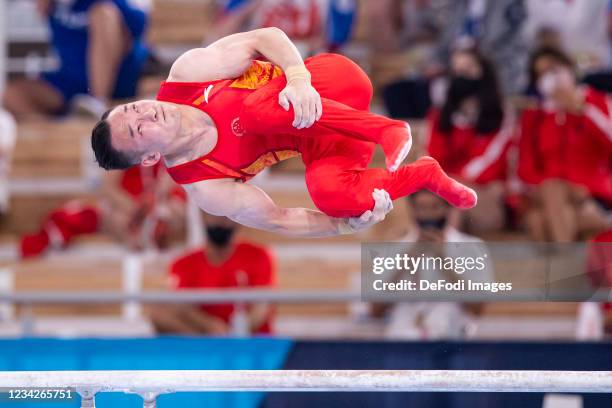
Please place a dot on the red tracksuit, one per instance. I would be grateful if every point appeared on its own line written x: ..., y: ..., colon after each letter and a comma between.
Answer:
x: 254, y: 132
x: 464, y: 153
x: 194, y: 271
x: 576, y: 148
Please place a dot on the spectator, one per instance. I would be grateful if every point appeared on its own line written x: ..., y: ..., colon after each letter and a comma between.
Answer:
x: 100, y: 48
x: 470, y: 136
x: 313, y: 25
x: 435, y: 320
x: 432, y: 29
x: 565, y: 152
x: 139, y: 207
x: 223, y: 263
x: 8, y: 136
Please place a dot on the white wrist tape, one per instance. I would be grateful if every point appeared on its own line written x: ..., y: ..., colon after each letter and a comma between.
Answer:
x: 297, y: 72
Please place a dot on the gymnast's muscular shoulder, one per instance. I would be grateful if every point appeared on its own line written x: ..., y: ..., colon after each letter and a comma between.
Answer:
x: 229, y: 57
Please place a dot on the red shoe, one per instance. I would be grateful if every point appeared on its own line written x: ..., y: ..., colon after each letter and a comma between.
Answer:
x: 457, y: 194
x: 33, y: 245
x: 396, y: 143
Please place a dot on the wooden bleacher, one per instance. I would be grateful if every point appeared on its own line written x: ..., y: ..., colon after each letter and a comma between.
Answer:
x: 47, y: 152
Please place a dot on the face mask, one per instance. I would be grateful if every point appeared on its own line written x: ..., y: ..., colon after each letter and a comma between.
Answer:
x: 462, y: 87
x: 547, y: 84
x: 219, y: 236
x: 432, y: 223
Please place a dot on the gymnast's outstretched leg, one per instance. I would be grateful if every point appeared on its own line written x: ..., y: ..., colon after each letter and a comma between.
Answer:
x: 340, y: 190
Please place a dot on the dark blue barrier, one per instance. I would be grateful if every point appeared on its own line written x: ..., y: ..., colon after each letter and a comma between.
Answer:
x: 441, y: 356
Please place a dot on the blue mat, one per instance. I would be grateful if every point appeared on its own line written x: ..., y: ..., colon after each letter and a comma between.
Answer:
x: 165, y: 353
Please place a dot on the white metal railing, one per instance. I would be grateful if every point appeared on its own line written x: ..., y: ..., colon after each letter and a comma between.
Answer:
x: 195, y: 296
x: 132, y: 300
x: 150, y: 384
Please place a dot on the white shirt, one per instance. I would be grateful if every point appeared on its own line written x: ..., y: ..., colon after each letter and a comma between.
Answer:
x: 438, y: 320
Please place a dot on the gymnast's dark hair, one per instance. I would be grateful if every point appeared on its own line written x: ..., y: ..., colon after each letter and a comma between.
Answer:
x: 107, y: 156
x: 489, y: 98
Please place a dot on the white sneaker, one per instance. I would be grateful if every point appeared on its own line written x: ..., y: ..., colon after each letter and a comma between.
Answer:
x: 87, y: 105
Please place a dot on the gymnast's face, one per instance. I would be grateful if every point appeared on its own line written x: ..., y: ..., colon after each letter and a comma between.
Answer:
x: 145, y: 128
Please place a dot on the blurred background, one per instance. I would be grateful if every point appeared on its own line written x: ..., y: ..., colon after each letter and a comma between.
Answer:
x: 510, y: 96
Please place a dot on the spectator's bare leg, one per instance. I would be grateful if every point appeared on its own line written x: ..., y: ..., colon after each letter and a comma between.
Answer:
x: 26, y: 97
x: 233, y: 22
x: 489, y: 215
x: 383, y: 22
x: 591, y: 218
x: 166, y: 319
x: 109, y: 41
x: 203, y: 322
x: 115, y: 222
x: 535, y: 224
x: 559, y: 213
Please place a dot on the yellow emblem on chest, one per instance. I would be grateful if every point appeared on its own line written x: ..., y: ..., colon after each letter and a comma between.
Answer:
x: 259, y: 74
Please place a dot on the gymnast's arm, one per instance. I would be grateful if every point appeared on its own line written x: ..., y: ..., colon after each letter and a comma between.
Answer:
x: 252, y: 207
x: 231, y: 56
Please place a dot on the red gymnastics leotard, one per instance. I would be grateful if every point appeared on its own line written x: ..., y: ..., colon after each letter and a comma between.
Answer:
x: 255, y: 132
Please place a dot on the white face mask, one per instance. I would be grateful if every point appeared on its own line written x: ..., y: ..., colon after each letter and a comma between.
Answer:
x: 547, y: 84
x: 552, y: 80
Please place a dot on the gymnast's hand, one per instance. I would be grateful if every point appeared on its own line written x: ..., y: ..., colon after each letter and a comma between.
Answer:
x: 382, y: 206
x: 305, y: 100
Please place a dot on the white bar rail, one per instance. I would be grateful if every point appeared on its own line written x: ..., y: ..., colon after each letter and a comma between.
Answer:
x: 150, y: 384
x: 314, y: 380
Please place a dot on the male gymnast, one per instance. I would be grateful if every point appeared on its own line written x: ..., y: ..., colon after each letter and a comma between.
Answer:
x: 222, y: 116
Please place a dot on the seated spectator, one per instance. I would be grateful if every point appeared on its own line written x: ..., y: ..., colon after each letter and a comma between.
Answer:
x: 8, y: 136
x: 225, y: 263
x: 427, y: 31
x: 428, y: 235
x: 565, y: 152
x: 99, y: 45
x: 139, y: 207
x: 470, y: 136
x: 313, y: 25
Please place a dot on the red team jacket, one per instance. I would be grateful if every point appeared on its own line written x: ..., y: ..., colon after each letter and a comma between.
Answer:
x: 193, y: 271
x: 576, y: 148
x: 463, y: 153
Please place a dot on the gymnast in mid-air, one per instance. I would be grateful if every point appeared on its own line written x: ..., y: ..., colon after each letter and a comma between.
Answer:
x: 222, y: 116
